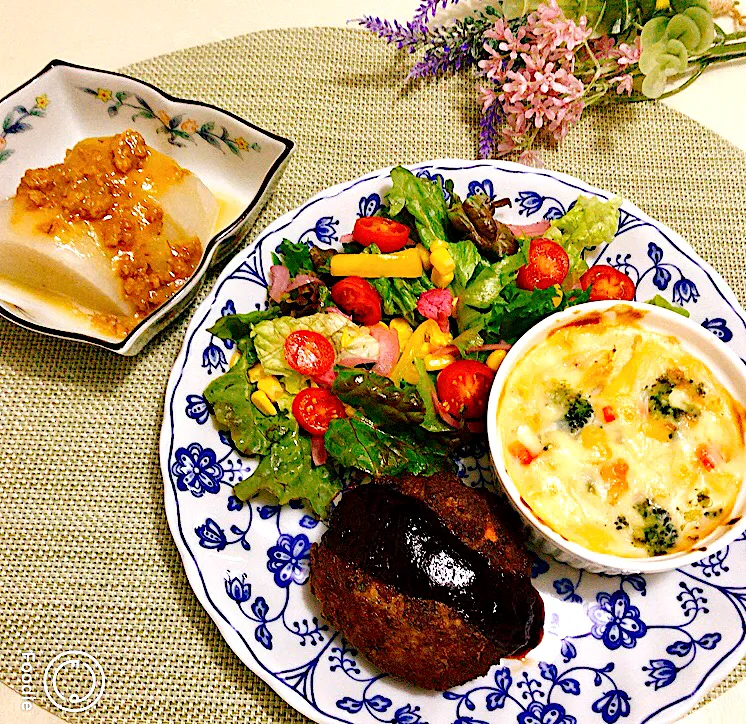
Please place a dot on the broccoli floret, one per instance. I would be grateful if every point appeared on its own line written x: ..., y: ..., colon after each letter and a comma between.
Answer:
x: 659, y: 400
x: 658, y: 533
x: 578, y: 409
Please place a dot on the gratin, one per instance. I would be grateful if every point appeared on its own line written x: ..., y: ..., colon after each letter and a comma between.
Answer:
x: 619, y: 439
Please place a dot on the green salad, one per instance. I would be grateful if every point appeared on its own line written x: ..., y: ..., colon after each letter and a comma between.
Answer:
x: 378, y: 359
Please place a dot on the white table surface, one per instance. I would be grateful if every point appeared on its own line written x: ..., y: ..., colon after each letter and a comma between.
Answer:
x: 113, y: 33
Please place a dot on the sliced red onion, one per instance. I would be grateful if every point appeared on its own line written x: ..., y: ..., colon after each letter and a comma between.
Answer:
x: 279, y: 277
x: 319, y: 454
x: 327, y: 379
x: 301, y: 280
x: 388, y: 343
x: 530, y: 230
x: 444, y: 414
x: 346, y: 238
x: 334, y: 310
x: 448, y: 349
x: 353, y: 361
x: 491, y: 347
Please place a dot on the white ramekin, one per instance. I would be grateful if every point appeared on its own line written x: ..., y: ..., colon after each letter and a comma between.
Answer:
x: 723, y: 363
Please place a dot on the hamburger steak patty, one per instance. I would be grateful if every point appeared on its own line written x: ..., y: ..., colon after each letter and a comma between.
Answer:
x: 428, y: 578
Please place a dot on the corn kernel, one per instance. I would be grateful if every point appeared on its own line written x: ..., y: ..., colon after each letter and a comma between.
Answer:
x: 350, y: 411
x: 495, y: 359
x: 662, y: 4
x: 234, y: 358
x: 424, y: 257
x: 557, y: 299
x: 434, y: 362
x: 441, y: 280
x: 438, y: 244
x: 402, y: 329
x: 346, y: 337
x: 263, y: 403
x: 271, y: 387
x: 256, y: 373
x: 442, y: 260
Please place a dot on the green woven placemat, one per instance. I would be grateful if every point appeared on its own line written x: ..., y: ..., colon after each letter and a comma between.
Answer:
x: 87, y: 561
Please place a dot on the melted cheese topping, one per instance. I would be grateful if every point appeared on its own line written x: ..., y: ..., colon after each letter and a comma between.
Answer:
x: 620, y: 440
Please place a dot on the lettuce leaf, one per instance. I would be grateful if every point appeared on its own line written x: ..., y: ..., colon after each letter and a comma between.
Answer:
x: 467, y: 258
x: 384, y: 403
x: 345, y: 336
x: 426, y: 387
x: 519, y: 309
x: 589, y: 223
x: 230, y: 398
x: 287, y: 473
x: 423, y: 199
x: 358, y: 442
x: 659, y: 301
x: 399, y: 296
x: 238, y: 327
x: 486, y: 288
x: 295, y: 256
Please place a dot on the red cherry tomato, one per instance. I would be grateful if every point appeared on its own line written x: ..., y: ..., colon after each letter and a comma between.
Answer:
x: 357, y: 297
x: 315, y: 407
x: 388, y: 235
x: 309, y: 353
x: 463, y: 388
x: 608, y: 283
x: 548, y: 265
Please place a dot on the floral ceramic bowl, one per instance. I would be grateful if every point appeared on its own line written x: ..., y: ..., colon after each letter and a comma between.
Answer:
x: 725, y: 366
x: 65, y: 103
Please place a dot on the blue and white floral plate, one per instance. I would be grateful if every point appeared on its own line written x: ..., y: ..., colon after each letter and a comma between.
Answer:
x: 615, y: 648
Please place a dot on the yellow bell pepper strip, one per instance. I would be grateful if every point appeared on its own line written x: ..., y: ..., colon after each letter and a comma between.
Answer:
x: 406, y: 264
x: 402, y: 329
x: 422, y: 337
x: 438, y: 361
x: 424, y: 256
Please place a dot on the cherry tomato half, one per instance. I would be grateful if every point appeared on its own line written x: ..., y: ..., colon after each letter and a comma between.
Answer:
x: 358, y: 297
x: 548, y: 265
x: 463, y: 388
x: 309, y: 353
x: 315, y: 407
x: 608, y: 283
x: 388, y: 235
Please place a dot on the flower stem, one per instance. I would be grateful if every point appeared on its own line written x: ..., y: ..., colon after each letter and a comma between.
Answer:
x: 726, y: 51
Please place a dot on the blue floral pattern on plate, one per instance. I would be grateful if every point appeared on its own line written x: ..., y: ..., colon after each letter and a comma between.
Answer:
x: 609, y: 641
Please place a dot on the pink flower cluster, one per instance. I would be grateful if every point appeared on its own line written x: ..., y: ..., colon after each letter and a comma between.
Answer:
x: 622, y: 57
x: 532, y: 72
